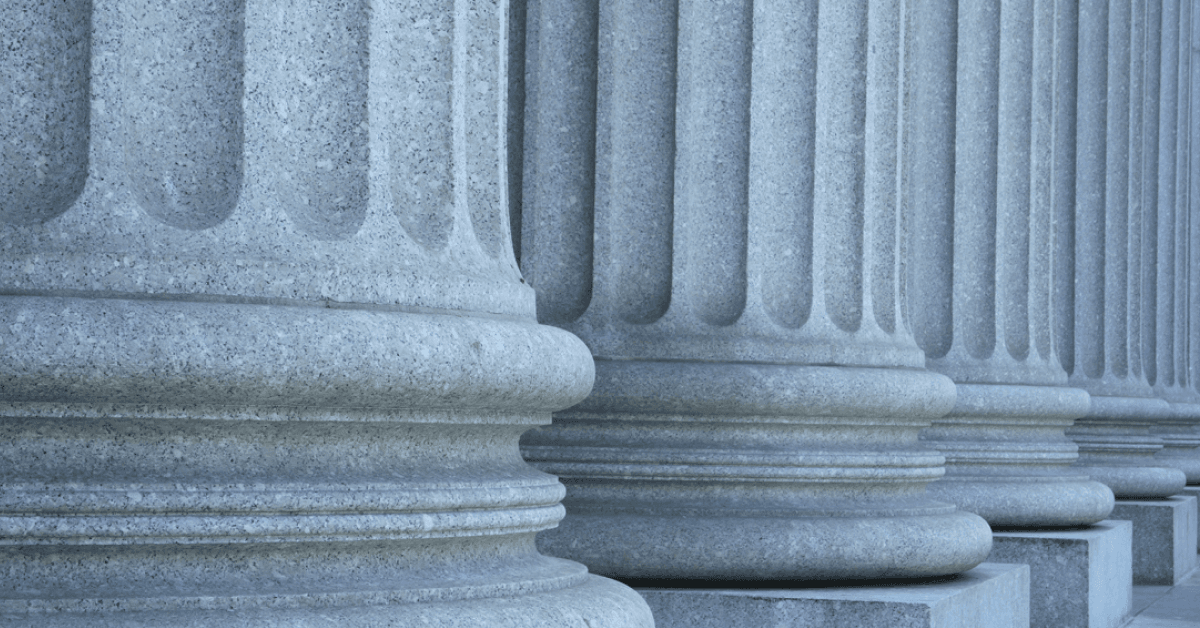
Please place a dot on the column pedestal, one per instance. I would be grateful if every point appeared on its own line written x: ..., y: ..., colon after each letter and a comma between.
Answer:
x: 1078, y: 578
x: 989, y: 596
x: 1194, y: 491
x: 1163, y: 531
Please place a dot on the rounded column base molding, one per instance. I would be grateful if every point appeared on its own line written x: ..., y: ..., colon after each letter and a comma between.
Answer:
x: 1181, y: 440
x: 1008, y: 459
x: 229, y: 357
x: 589, y: 601
x: 204, y: 463
x: 745, y: 471
x: 1137, y: 482
x: 1117, y: 446
x: 740, y: 546
x: 1027, y: 502
x: 1186, y: 460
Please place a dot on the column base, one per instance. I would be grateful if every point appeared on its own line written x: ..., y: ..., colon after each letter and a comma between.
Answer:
x: 1194, y: 491
x: 991, y: 595
x: 1135, y: 482
x: 1078, y: 578
x: 1163, y: 535
x: 706, y: 546
x: 1027, y: 502
x: 595, y: 602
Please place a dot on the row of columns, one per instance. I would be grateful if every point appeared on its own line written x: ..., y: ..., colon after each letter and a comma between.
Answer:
x: 1127, y: 342
x: 855, y: 281
x: 838, y: 262
x: 758, y: 393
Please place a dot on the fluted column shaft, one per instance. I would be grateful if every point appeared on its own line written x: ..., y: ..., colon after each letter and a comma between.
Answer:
x: 1192, y: 320
x: 1124, y: 101
x: 980, y: 192
x: 1172, y: 379
x: 732, y: 256
x: 267, y: 353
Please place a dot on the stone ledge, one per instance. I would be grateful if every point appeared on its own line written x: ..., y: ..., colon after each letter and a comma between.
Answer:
x: 991, y: 595
x: 1163, y: 533
x: 1078, y: 578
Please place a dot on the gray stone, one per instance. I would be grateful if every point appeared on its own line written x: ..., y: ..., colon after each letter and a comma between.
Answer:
x: 1170, y: 375
x: 1181, y: 441
x: 991, y: 595
x: 44, y: 85
x: 981, y: 202
x: 1194, y: 491
x: 1080, y: 578
x: 1162, y: 538
x: 1116, y: 187
x: 734, y: 264
x: 267, y: 354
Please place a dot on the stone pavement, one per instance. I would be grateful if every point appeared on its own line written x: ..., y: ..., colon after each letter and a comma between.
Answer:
x: 1167, y: 607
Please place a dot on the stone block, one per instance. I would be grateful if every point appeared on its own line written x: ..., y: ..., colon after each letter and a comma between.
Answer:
x: 991, y: 595
x: 1163, y: 533
x: 1194, y: 491
x: 1078, y: 578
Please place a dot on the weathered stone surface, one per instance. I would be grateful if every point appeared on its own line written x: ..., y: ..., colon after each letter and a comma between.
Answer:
x: 1077, y: 578
x: 989, y: 596
x: 270, y: 364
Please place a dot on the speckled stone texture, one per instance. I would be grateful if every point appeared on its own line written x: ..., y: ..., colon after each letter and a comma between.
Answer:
x: 1162, y: 537
x: 1080, y: 578
x: 1123, y: 149
x: 989, y: 596
x: 980, y: 193
x: 266, y: 351
x: 1172, y: 375
x: 730, y: 248
x: 1194, y: 491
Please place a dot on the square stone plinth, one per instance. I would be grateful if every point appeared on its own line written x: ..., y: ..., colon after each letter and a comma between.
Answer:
x: 990, y: 596
x: 1194, y: 491
x: 1164, y: 537
x: 1079, y: 578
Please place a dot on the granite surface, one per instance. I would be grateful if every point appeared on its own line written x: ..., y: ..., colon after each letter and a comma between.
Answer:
x: 267, y: 351
x: 1194, y: 491
x: 733, y: 257
x: 978, y: 190
x: 1162, y: 538
x: 1124, y: 188
x: 989, y: 596
x: 1077, y: 578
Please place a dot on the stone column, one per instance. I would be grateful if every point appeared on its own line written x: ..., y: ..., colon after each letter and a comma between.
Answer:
x: 1111, y: 304
x: 730, y: 250
x: 267, y: 353
x: 1192, y: 217
x: 1172, y: 380
x: 979, y: 189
